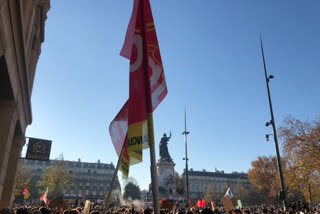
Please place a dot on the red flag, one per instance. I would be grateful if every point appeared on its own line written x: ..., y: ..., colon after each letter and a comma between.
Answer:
x: 147, y: 85
x: 199, y: 204
x: 203, y: 203
x: 26, y: 193
x: 44, y: 196
x: 162, y: 199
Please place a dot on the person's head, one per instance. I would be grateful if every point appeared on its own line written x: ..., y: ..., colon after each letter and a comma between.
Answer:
x: 147, y: 211
x: 6, y: 211
x: 22, y: 211
x: 206, y: 211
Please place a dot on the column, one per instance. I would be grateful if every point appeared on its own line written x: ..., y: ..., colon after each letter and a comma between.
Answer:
x: 8, y: 119
x: 9, y: 182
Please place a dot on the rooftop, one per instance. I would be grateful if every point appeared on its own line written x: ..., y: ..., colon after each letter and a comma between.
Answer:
x: 217, y: 174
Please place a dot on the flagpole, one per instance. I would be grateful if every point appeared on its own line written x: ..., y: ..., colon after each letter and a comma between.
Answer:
x: 273, y: 123
x: 113, y: 180
x: 153, y: 167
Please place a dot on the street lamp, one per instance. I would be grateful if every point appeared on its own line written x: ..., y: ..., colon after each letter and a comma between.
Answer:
x: 267, y: 136
x: 185, y: 133
x: 272, y: 122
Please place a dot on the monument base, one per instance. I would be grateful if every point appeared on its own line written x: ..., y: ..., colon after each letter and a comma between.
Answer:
x: 166, y: 179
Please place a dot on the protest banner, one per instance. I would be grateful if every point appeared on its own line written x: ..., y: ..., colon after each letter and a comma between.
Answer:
x: 168, y: 204
x: 227, y: 203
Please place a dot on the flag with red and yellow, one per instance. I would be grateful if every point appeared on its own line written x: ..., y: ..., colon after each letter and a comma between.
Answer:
x: 147, y: 87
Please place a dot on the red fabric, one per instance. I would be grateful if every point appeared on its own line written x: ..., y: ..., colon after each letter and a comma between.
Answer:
x: 145, y: 59
x: 162, y: 199
x: 25, y: 191
x: 203, y: 203
x: 199, y: 204
x: 147, y: 85
x: 44, y: 196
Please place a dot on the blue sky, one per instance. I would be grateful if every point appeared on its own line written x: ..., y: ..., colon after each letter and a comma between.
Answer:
x: 213, y: 66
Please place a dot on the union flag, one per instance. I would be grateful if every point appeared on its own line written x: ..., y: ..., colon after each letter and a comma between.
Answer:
x: 26, y: 193
x: 147, y: 87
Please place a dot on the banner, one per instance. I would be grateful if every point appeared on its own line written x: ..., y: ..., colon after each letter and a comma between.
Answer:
x: 38, y: 149
x: 227, y: 203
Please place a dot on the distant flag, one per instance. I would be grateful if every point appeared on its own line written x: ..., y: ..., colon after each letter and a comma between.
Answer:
x: 213, y: 204
x: 203, y: 202
x: 147, y: 87
x: 229, y: 193
x: 26, y: 193
x: 162, y: 199
x: 44, y: 196
x: 199, y: 204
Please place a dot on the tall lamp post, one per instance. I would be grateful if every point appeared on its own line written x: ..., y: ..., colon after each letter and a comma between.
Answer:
x: 273, y: 123
x: 185, y: 133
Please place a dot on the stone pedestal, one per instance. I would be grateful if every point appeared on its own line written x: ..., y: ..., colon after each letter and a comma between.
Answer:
x: 166, y: 178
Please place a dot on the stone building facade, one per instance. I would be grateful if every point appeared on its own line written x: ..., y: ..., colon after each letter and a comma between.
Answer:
x: 22, y: 25
x: 219, y: 181
x: 90, y: 180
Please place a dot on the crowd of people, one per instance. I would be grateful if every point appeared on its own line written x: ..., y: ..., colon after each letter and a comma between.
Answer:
x: 294, y: 208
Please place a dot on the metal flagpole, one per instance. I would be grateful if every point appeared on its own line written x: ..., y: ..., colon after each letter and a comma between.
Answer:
x: 185, y: 133
x: 113, y: 181
x: 153, y: 167
x: 273, y: 123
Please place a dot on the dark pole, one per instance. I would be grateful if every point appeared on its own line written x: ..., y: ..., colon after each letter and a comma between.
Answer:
x: 310, y: 193
x: 114, y: 177
x: 185, y: 133
x: 273, y: 123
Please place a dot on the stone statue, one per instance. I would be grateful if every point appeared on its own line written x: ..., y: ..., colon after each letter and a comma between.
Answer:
x: 163, y: 148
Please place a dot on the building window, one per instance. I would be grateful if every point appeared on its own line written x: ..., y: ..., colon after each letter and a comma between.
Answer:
x: 94, y: 193
x: 87, y: 192
x: 101, y: 193
x: 79, y: 193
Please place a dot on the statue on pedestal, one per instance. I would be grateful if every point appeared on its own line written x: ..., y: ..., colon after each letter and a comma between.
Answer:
x: 163, y: 149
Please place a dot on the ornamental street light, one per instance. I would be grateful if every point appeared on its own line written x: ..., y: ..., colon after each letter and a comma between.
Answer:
x: 185, y: 133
